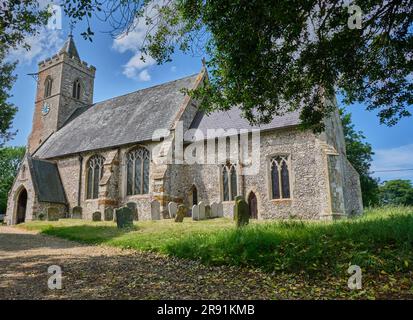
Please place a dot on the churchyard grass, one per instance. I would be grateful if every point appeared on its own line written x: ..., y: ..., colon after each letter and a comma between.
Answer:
x: 380, y: 242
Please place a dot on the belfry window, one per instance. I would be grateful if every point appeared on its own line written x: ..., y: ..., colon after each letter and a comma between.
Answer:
x: 229, y: 181
x: 137, y: 167
x: 48, y: 87
x: 76, y: 89
x: 280, y: 177
x: 94, y: 174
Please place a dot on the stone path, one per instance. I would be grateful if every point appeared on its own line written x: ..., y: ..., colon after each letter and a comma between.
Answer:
x: 98, y: 272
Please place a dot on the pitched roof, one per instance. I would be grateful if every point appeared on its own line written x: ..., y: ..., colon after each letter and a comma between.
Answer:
x: 118, y: 121
x: 70, y: 48
x: 46, y: 181
x: 233, y: 119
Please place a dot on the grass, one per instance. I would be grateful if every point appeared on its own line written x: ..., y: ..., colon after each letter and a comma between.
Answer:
x: 379, y: 242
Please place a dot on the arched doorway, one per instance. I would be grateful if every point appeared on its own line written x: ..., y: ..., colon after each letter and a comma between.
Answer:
x: 21, y: 207
x: 252, y: 204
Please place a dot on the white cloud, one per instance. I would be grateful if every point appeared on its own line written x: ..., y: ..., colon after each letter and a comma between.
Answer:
x: 136, y: 66
x: 398, y: 158
x: 144, y: 75
x: 42, y: 45
x: 132, y: 41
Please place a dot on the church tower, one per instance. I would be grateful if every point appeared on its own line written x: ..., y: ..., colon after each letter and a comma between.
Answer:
x: 65, y: 83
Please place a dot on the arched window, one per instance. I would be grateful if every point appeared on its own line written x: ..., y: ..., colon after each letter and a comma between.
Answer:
x: 280, y: 178
x: 94, y: 174
x: 48, y: 87
x: 229, y: 181
x: 76, y: 89
x: 137, y: 171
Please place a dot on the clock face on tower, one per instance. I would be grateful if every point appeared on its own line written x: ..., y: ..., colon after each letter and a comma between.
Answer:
x: 45, y: 108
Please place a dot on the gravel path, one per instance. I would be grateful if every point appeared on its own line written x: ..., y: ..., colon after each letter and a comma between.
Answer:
x: 98, y: 272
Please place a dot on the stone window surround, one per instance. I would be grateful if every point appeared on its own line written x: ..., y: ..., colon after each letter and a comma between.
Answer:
x: 48, y: 87
x: 127, y: 159
x: 124, y: 172
x: 290, y: 176
x: 221, y: 182
x: 77, y: 82
x: 86, y: 168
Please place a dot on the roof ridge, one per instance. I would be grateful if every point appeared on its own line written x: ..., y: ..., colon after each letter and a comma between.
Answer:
x: 144, y: 89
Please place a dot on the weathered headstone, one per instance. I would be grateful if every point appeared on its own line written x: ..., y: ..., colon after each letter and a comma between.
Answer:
x: 108, y: 215
x: 195, y: 212
x: 220, y: 210
x: 208, y: 213
x: 124, y: 217
x: 133, y: 206
x: 52, y: 214
x: 97, y: 216
x: 201, y: 206
x: 155, y: 210
x: 77, y: 213
x: 172, y: 209
x: 214, y: 210
x: 241, y: 212
x: 181, y: 213
x: 41, y: 216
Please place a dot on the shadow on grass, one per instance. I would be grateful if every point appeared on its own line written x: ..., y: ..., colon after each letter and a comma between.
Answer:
x: 87, y: 234
x: 380, y: 244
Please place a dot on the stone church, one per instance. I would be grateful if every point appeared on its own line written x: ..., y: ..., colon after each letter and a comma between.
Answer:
x: 85, y: 157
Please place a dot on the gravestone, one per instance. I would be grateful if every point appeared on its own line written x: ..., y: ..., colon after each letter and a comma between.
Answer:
x: 214, y: 210
x: 97, y: 216
x: 155, y: 210
x: 77, y: 213
x: 108, y: 216
x: 172, y: 209
x: 124, y: 217
x: 180, y: 213
x: 195, y: 212
x: 201, y: 214
x: 208, y: 213
x: 220, y: 210
x: 53, y: 214
x: 133, y: 206
x: 241, y: 212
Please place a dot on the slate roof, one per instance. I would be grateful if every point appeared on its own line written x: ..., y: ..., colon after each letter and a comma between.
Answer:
x: 46, y: 181
x: 233, y: 119
x: 134, y: 117
x: 118, y: 121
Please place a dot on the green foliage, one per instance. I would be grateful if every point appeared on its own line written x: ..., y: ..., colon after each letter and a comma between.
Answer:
x: 7, y: 109
x: 397, y: 192
x: 18, y: 19
x: 380, y: 241
x: 359, y: 153
x: 10, y: 159
x: 264, y: 54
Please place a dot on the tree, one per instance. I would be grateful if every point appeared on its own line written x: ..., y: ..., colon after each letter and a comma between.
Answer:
x: 266, y: 54
x: 397, y: 192
x: 360, y: 153
x: 7, y: 110
x: 10, y: 159
x: 17, y: 20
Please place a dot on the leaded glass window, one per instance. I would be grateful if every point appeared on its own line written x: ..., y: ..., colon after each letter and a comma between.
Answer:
x: 138, y: 162
x: 280, y: 178
x: 76, y: 89
x: 229, y: 182
x: 94, y: 174
x: 48, y: 87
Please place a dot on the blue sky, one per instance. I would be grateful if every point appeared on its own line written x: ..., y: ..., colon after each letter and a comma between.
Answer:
x: 119, y: 71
